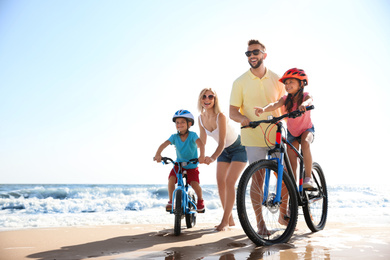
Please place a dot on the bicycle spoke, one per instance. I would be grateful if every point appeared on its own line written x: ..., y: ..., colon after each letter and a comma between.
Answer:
x: 263, y: 219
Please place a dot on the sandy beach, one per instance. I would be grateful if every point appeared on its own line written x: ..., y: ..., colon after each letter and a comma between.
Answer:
x: 337, y: 241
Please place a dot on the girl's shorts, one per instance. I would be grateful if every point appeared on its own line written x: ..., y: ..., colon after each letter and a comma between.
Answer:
x: 292, y: 138
x: 192, y: 174
x: 234, y: 153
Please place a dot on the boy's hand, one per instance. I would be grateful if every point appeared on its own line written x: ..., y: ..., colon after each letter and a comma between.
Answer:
x: 157, y: 158
x: 259, y: 110
x: 201, y: 159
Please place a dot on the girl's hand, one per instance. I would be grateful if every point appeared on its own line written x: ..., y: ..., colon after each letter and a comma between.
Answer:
x: 259, y: 110
x: 208, y: 160
x: 302, y: 108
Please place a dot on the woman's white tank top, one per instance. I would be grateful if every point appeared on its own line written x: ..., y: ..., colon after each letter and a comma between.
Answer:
x: 231, y: 134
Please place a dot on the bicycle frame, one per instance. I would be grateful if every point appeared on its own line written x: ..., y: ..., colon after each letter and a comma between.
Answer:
x: 284, y: 161
x: 184, y: 187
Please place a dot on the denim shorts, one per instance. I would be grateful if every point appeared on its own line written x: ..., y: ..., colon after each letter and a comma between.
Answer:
x: 292, y: 138
x: 234, y: 153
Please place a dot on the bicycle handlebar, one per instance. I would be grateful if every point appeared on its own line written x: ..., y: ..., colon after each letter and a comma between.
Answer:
x: 167, y: 160
x: 274, y: 120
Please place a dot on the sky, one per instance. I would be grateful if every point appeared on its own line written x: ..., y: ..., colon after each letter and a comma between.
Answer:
x: 88, y: 88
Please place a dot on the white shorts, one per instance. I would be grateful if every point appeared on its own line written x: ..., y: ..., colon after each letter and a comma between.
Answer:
x: 256, y: 153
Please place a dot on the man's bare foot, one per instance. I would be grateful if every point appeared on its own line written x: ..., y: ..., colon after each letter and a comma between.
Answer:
x: 263, y: 231
x: 283, y: 220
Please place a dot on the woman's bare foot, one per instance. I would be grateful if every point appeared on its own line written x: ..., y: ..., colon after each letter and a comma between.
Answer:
x: 231, y: 222
x: 222, y: 227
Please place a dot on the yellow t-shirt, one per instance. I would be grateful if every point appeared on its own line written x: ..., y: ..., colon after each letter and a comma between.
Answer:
x: 249, y: 91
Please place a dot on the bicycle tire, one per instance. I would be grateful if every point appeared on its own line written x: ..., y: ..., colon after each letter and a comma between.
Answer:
x: 315, y: 206
x: 249, y: 207
x: 191, y: 217
x: 178, y: 212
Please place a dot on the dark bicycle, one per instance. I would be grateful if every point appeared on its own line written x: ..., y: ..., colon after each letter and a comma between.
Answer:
x: 268, y: 196
x: 183, y: 203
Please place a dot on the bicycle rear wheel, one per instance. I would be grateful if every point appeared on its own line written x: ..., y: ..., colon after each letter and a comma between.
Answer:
x: 178, y: 212
x: 263, y: 221
x: 315, y: 209
x: 191, y: 217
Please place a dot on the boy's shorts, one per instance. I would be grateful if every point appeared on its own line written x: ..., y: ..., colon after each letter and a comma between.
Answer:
x: 292, y: 138
x: 192, y: 174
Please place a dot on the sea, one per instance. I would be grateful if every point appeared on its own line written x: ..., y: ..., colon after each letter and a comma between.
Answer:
x: 27, y: 206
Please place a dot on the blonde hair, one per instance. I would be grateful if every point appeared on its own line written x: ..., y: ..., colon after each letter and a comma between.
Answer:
x: 217, y: 108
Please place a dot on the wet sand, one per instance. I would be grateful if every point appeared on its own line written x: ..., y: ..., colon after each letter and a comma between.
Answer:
x: 336, y: 241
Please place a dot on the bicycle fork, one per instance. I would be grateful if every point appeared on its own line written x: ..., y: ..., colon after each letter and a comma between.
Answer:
x: 278, y: 148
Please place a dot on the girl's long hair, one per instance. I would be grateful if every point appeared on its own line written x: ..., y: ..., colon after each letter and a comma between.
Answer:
x: 290, y: 99
x: 217, y: 108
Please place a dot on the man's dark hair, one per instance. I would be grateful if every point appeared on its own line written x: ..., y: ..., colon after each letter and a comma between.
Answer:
x: 256, y: 42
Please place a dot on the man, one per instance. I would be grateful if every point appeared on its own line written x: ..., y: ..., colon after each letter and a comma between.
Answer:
x: 258, y: 86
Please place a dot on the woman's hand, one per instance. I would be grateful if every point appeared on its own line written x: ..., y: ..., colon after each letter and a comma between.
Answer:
x: 209, y: 160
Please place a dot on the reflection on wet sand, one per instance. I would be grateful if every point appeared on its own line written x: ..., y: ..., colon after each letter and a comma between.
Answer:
x: 282, y: 251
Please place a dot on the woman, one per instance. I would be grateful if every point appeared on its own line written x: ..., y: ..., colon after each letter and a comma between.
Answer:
x: 230, y: 154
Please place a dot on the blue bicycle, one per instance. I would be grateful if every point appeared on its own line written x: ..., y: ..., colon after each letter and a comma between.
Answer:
x: 268, y: 196
x: 183, y: 203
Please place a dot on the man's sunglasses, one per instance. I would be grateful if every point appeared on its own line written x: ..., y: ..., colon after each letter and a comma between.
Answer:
x: 255, y: 52
x: 211, y: 97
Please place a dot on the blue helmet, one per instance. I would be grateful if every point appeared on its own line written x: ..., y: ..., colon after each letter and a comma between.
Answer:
x: 182, y: 113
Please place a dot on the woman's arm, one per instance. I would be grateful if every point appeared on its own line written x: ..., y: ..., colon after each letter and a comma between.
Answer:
x: 202, y: 132
x: 200, y: 144
x: 222, y: 125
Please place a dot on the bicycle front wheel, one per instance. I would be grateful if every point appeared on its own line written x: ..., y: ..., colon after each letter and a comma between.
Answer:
x: 315, y: 209
x: 178, y: 212
x: 264, y: 221
x: 191, y: 217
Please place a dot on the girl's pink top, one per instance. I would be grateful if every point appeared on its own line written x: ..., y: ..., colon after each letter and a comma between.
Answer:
x: 296, y: 126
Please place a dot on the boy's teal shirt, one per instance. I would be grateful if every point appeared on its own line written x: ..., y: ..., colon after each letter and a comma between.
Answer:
x: 185, y: 150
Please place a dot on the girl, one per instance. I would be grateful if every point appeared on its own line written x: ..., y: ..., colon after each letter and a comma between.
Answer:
x: 230, y: 154
x: 300, y: 130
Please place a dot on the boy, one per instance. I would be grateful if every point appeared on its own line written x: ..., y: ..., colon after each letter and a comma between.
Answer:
x: 187, y: 143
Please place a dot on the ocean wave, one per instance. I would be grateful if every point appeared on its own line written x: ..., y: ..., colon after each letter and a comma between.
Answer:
x: 50, y: 203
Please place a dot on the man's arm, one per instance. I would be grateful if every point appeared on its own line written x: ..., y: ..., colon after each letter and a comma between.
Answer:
x: 235, y: 115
